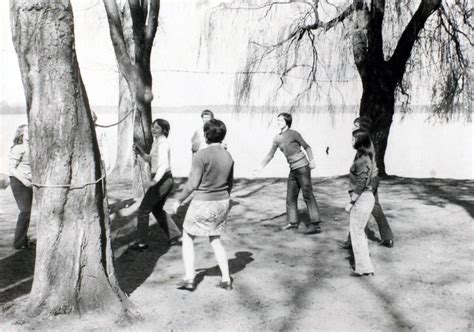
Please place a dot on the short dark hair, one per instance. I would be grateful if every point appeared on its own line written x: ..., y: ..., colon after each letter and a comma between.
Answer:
x: 207, y: 112
x: 214, y: 131
x: 165, y: 126
x: 287, y: 117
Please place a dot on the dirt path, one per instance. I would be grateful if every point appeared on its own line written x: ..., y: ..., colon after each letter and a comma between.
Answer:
x: 285, y: 280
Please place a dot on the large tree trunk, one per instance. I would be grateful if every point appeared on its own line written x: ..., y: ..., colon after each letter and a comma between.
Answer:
x: 74, y: 270
x: 378, y: 103
x: 379, y: 76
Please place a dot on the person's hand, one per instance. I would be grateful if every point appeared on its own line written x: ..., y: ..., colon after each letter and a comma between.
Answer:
x: 348, y: 207
x: 312, y: 164
x: 137, y: 149
x: 27, y: 183
x: 175, y: 206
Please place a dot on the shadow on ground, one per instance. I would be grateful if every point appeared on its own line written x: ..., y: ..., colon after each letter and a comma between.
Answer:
x: 16, y: 273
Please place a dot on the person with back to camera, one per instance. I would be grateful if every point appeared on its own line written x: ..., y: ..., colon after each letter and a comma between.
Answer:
x: 363, y: 124
x: 361, y: 202
x: 291, y: 143
x: 211, y: 180
x: 158, y: 189
x: 20, y: 182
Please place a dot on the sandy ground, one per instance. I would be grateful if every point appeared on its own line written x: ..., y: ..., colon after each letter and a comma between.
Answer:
x: 284, y: 280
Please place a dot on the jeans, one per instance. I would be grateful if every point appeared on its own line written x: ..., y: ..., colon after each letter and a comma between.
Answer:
x: 359, y: 217
x: 153, y: 202
x: 381, y: 220
x: 300, y: 178
x: 24, y: 198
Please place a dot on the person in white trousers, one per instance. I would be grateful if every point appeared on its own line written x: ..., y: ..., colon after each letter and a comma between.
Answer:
x: 361, y: 202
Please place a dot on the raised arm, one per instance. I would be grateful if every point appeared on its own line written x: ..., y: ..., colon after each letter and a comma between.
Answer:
x: 139, y: 151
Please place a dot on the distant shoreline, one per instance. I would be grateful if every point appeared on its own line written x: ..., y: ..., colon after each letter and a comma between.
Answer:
x: 110, y: 109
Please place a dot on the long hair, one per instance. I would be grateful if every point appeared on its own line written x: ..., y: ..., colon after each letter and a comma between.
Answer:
x: 20, y: 131
x: 363, y: 145
x: 165, y: 126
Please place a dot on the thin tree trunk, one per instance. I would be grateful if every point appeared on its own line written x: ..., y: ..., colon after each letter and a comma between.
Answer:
x: 132, y: 30
x: 74, y: 270
x: 123, y: 168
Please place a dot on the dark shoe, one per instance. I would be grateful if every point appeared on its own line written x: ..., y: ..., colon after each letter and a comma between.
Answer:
x: 289, y: 226
x: 188, y: 285
x: 227, y: 285
x: 356, y: 274
x: 313, y: 229
x: 387, y: 243
x: 345, y: 245
x: 138, y: 246
x: 176, y: 241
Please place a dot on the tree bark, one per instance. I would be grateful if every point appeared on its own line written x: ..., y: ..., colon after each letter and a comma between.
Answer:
x: 134, y: 64
x: 378, y: 103
x: 74, y: 270
x: 123, y: 167
x: 124, y: 164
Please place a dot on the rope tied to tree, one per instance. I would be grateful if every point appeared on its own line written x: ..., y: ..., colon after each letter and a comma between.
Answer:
x: 69, y: 186
x: 117, y: 123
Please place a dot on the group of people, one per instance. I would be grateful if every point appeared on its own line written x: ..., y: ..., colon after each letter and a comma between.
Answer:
x: 210, y: 183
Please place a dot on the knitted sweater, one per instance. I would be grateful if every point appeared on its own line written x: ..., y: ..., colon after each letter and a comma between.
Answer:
x: 290, y: 143
x: 212, y: 174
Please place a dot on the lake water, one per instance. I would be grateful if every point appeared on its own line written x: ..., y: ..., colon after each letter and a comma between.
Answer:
x: 416, y: 148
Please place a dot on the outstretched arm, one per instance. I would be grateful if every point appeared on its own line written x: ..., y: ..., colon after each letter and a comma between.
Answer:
x: 268, y: 157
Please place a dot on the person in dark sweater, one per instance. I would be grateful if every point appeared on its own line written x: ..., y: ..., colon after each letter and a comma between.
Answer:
x: 361, y: 202
x: 290, y: 142
x: 211, y: 181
